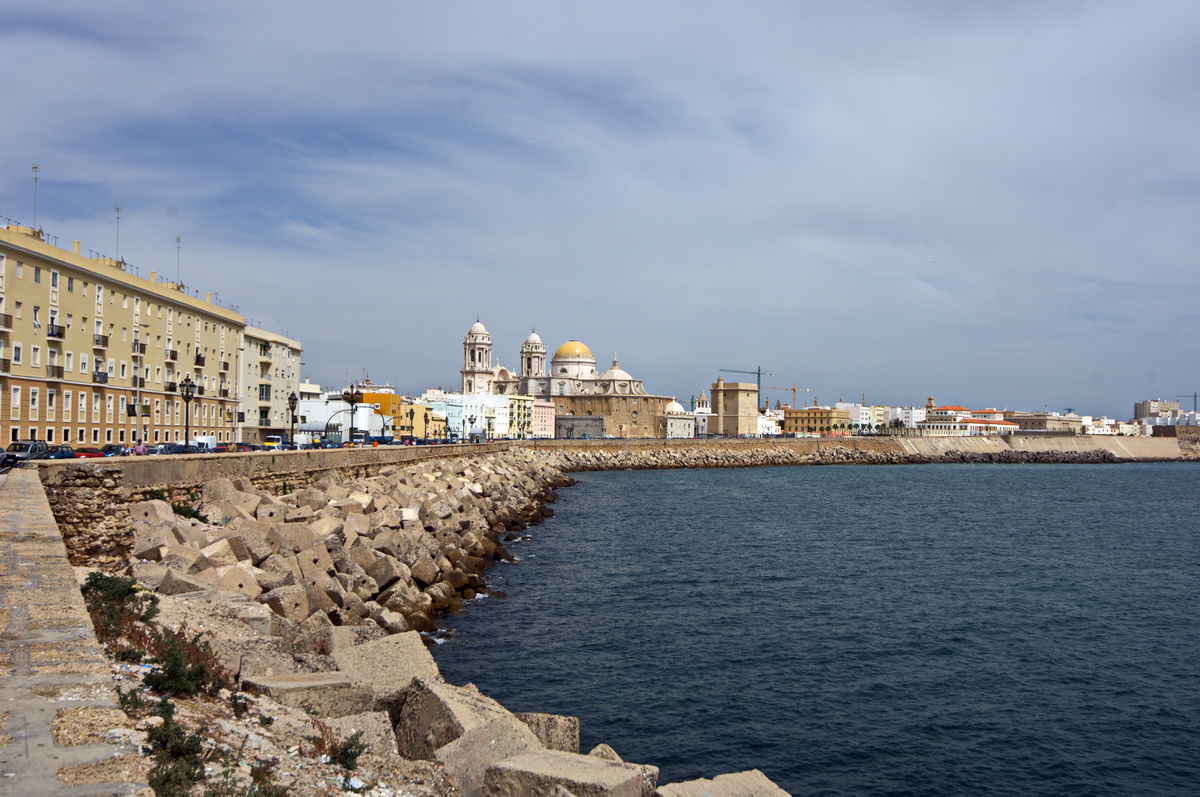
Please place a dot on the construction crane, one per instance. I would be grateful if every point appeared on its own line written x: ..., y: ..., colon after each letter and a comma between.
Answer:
x: 794, y: 390
x: 1195, y: 397
x: 758, y: 373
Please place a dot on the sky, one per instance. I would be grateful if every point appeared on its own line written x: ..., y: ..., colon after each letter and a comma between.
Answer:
x: 996, y: 204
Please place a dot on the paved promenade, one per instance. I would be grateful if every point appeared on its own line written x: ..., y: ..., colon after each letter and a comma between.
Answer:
x: 60, y: 728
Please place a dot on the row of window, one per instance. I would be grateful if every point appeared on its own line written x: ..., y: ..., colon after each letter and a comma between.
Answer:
x: 82, y: 435
x: 202, y: 411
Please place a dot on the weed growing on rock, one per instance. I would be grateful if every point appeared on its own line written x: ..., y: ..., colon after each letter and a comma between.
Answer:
x: 178, y: 765
x: 183, y: 665
x: 121, y: 612
x: 183, y: 510
x: 156, y: 495
x: 345, y: 754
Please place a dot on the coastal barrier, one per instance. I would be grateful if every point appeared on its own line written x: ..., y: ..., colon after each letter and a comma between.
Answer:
x: 308, y: 545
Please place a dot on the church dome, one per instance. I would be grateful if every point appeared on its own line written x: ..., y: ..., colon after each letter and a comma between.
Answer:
x: 533, y: 340
x: 573, y: 348
x: 615, y: 373
x: 674, y: 406
x: 478, y: 329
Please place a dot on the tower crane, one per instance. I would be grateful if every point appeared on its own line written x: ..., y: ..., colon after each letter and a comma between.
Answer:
x: 757, y: 372
x: 794, y: 390
x: 1195, y: 397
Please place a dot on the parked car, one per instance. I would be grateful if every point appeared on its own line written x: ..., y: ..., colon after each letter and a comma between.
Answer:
x: 113, y: 450
x: 89, y: 453
x: 60, y: 452
x: 159, y: 449
x: 23, y: 451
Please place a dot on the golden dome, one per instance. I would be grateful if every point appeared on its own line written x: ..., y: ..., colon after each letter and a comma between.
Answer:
x: 573, y: 348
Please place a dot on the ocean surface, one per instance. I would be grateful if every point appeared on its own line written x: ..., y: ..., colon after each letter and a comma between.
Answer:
x: 864, y: 630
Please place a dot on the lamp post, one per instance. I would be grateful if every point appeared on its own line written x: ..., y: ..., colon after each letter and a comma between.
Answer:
x: 411, y: 432
x: 293, y: 401
x: 425, y: 430
x: 353, y: 397
x: 187, y: 391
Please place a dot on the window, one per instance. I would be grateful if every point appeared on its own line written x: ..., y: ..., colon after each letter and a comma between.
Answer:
x: 53, y: 279
x: 36, y: 358
x: 122, y: 369
x: 14, y: 404
x: 51, y: 395
x: 83, y: 363
x: 37, y: 273
x: 49, y: 434
x: 70, y: 355
x: 70, y: 284
x: 16, y: 358
x: 37, y: 321
x: 33, y: 403
x: 66, y: 409
x: 80, y: 434
x: 19, y: 266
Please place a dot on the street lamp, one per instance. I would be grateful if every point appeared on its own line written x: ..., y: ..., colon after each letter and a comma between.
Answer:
x: 353, y: 397
x: 411, y: 431
x: 466, y: 432
x: 293, y: 401
x: 187, y: 391
x: 425, y: 430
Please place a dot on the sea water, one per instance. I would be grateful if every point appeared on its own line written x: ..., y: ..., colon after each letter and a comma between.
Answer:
x: 921, y: 629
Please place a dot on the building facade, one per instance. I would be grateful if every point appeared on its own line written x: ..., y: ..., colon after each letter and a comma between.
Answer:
x: 734, y: 408
x: 270, y: 367
x: 92, y: 354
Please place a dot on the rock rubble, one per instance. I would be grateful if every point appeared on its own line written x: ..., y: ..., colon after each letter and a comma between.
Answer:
x: 338, y: 576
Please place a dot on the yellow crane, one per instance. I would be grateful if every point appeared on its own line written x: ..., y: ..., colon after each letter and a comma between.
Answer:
x: 794, y: 390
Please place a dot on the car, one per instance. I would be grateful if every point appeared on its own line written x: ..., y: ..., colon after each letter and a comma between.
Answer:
x: 59, y: 452
x: 24, y: 450
x: 160, y: 449
x: 89, y: 453
x: 113, y: 450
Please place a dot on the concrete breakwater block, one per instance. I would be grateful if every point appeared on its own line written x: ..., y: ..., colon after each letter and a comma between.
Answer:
x: 540, y: 772
x: 750, y: 783
x: 325, y: 694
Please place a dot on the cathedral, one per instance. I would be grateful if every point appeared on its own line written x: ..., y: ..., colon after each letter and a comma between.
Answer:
x: 569, y: 380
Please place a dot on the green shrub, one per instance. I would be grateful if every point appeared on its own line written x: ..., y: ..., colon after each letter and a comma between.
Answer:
x: 183, y: 666
x: 121, y: 612
x: 177, y: 761
x: 183, y: 510
x: 345, y: 754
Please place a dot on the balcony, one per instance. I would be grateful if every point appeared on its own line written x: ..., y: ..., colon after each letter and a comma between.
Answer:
x: 54, y: 372
x: 172, y: 355
x: 264, y: 355
x: 171, y: 387
x: 99, y: 377
x: 224, y: 365
x: 199, y: 390
x: 56, y: 331
x: 200, y: 360
x: 5, y: 366
x: 264, y: 421
x: 224, y: 392
x: 138, y: 382
x: 5, y: 322
x: 139, y: 348
x: 99, y: 341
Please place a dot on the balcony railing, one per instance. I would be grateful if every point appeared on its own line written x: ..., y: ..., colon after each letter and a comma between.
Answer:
x: 224, y: 392
x: 139, y: 348
x: 138, y: 382
x: 264, y: 421
x: 100, y: 377
x: 170, y: 387
x: 54, y: 372
x: 5, y: 366
x: 99, y: 341
x: 172, y: 355
x: 199, y: 390
x: 199, y: 359
x: 224, y: 365
x: 56, y: 331
x: 5, y: 322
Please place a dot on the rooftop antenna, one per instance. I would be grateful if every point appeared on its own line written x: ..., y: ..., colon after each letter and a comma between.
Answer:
x: 36, y: 169
x: 118, y: 232
x: 178, y: 246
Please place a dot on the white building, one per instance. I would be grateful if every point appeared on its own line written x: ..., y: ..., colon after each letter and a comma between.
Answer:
x: 269, y: 365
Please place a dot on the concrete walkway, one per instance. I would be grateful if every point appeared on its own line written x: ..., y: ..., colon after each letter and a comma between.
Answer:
x: 60, y: 728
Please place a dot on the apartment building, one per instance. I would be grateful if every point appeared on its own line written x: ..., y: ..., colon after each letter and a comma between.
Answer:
x: 91, y: 353
x: 270, y: 375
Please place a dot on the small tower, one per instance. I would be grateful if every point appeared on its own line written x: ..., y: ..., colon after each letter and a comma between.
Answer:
x: 533, y: 357
x: 477, y: 374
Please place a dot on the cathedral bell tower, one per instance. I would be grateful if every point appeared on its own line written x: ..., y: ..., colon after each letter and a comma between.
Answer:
x: 477, y: 373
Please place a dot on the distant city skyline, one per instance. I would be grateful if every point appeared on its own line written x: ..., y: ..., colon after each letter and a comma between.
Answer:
x: 992, y: 204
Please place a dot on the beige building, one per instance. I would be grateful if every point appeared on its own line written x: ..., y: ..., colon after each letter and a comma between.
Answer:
x: 825, y: 421
x: 270, y: 368
x: 1046, y: 422
x: 91, y: 353
x: 734, y: 409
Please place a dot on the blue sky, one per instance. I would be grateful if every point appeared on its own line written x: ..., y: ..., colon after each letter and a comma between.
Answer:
x: 993, y: 203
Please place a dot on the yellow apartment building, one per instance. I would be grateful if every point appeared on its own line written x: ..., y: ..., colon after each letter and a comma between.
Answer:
x: 825, y: 421
x: 91, y: 353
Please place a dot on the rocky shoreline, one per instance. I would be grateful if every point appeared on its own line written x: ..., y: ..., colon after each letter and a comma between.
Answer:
x: 339, y: 576
x: 336, y: 578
